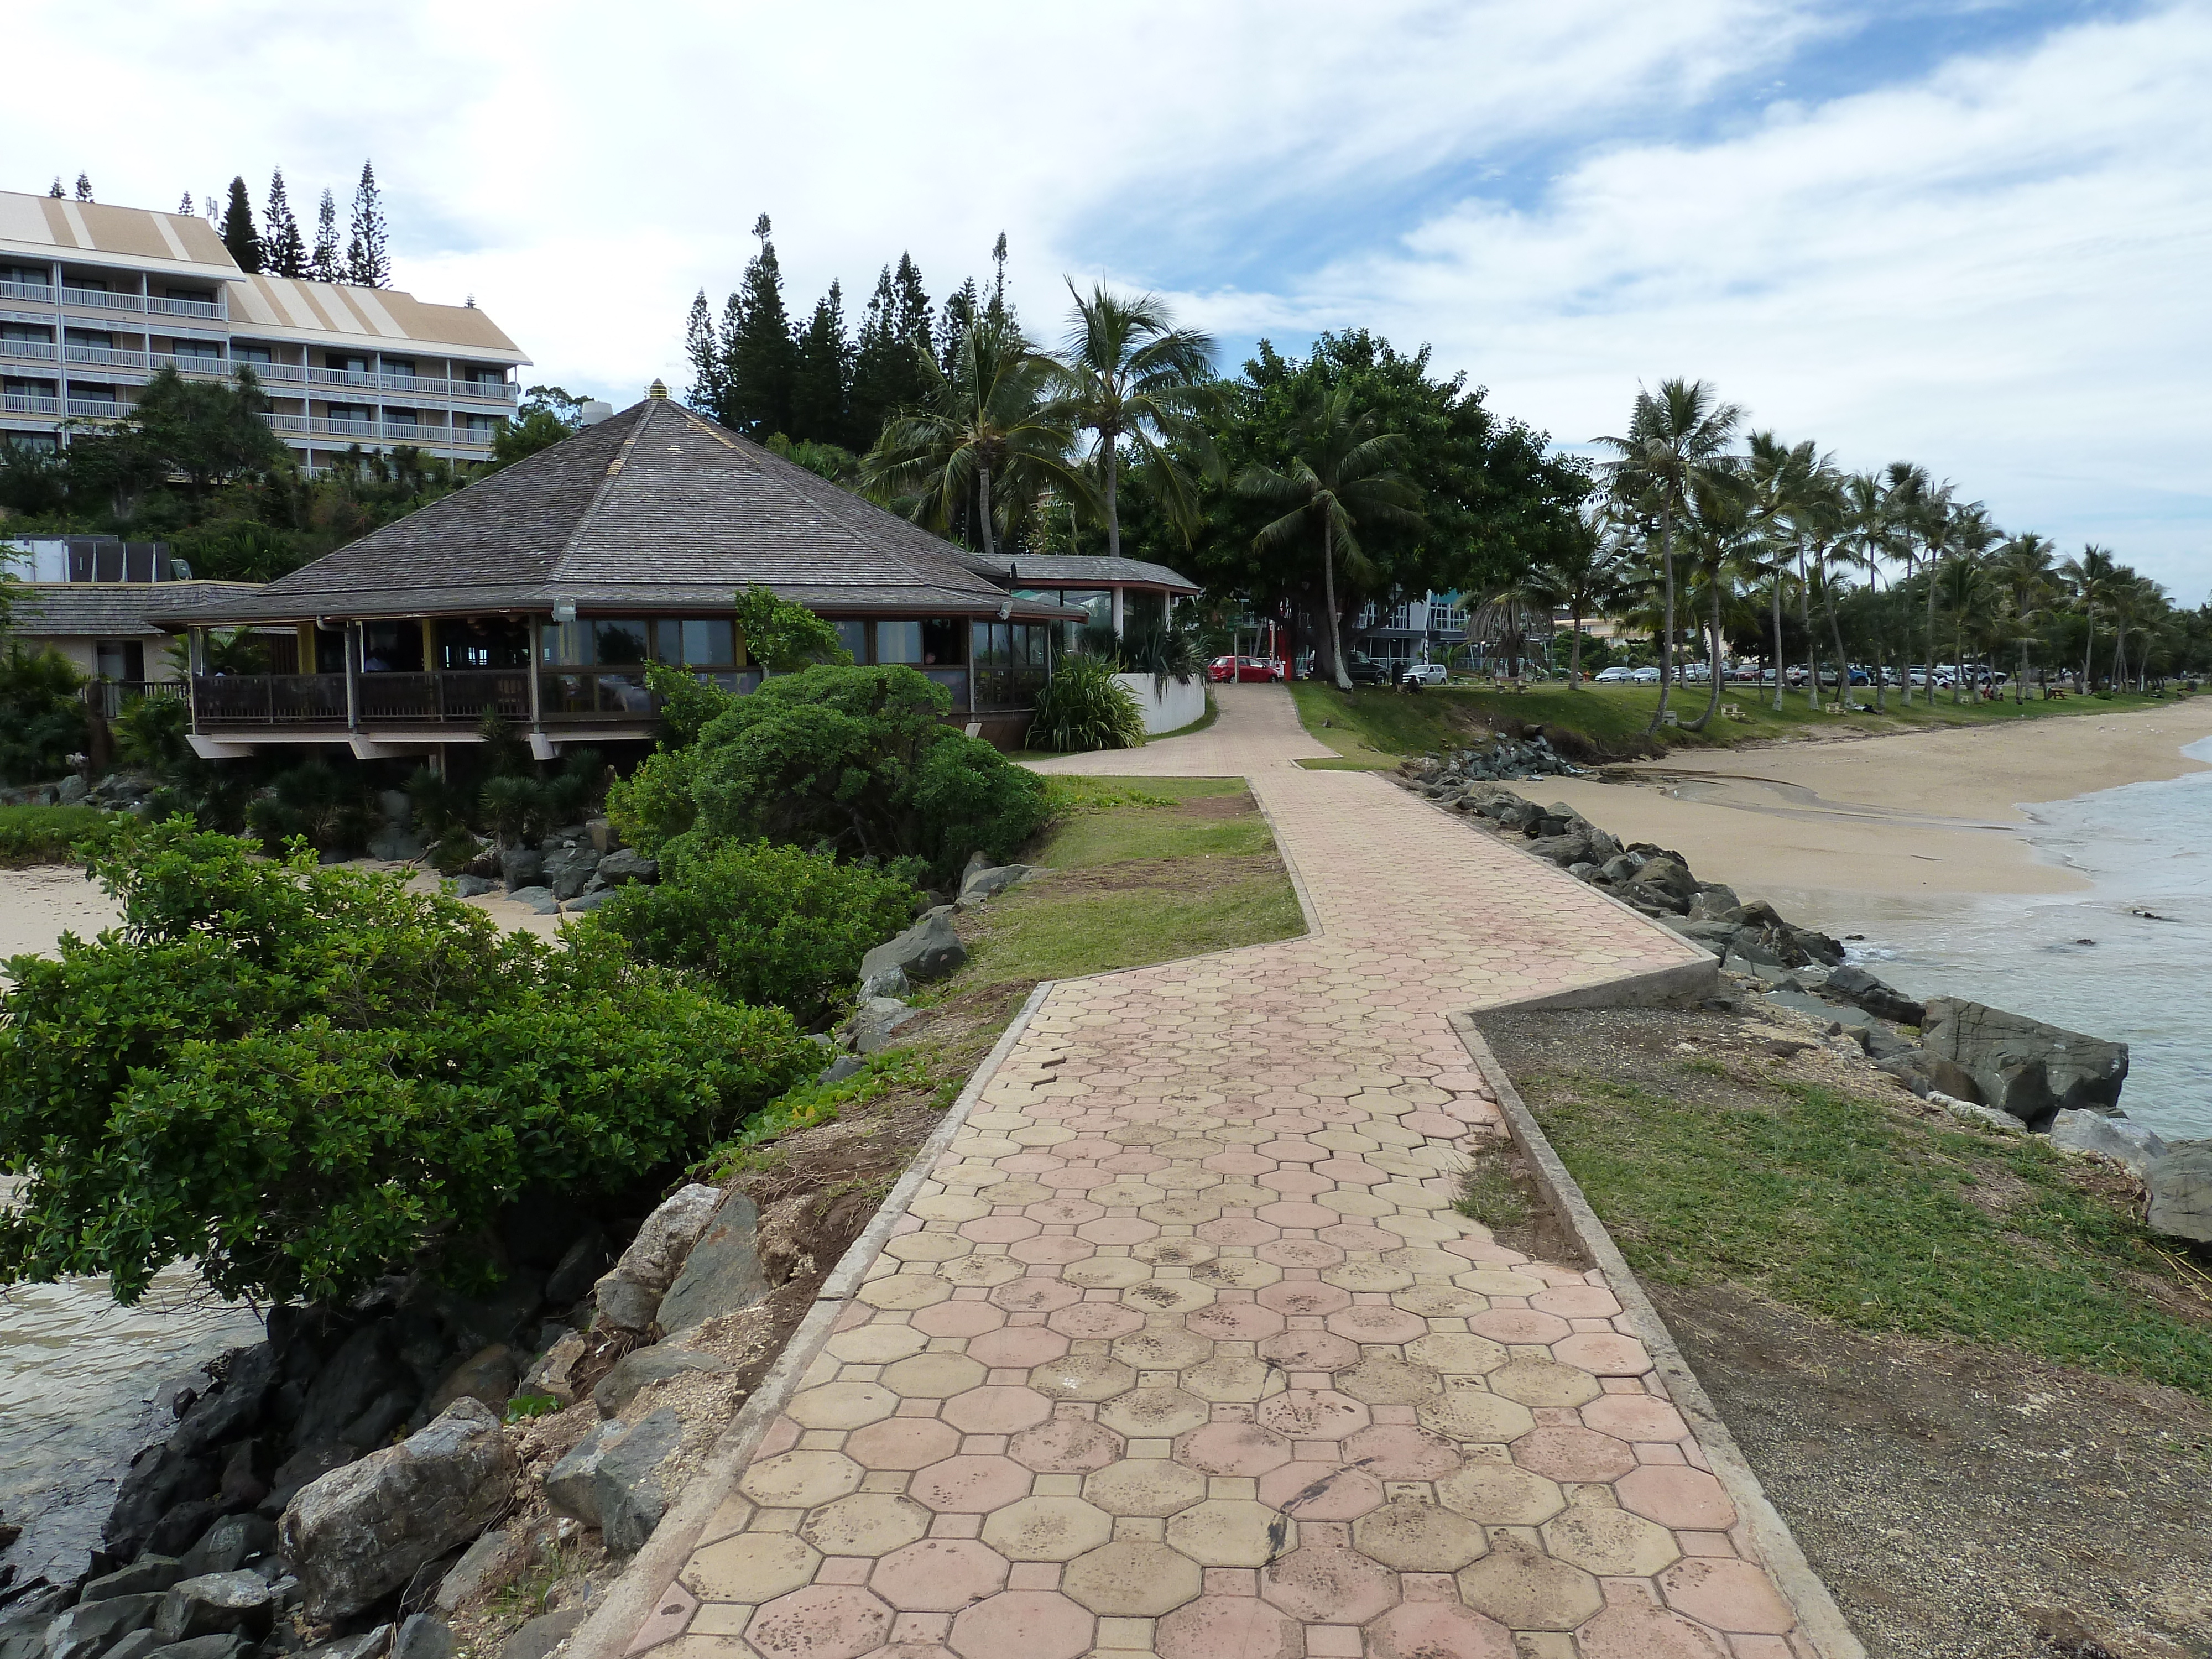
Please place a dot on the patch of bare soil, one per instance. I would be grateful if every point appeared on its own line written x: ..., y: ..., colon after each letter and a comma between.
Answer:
x: 1168, y: 875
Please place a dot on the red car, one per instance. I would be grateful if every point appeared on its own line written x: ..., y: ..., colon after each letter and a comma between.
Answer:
x: 1244, y: 669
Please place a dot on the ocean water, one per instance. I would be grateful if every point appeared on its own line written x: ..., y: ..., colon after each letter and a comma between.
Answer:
x: 2129, y: 959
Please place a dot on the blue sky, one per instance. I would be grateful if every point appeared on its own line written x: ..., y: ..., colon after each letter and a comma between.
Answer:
x: 1973, y: 235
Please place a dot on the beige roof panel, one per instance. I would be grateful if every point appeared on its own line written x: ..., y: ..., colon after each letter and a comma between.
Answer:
x: 133, y: 233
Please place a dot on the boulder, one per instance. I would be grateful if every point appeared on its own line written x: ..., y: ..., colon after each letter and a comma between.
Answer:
x: 244, y: 1483
x: 612, y: 1480
x: 1619, y: 869
x: 1827, y: 1014
x: 234, y: 1406
x: 490, y: 1561
x: 149, y: 1574
x: 395, y: 844
x: 543, y: 1634
x: 569, y: 867
x: 1569, y: 848
x: 540, y: 899
x: 980, y: 885
x: 577, y: 1271
x: 873, y: 1024
x: 550, y: 1374
x: 2022, y: 1066
x: 1969, y: 1112
x: 629, y: 1296
x: 839, y: 1069
x: 309, y: 1463
x: 928, y: 950
x: 626, y: 864
x: 1928, y: 1074
x: 2122, y: 1139
x: 217, y: 1604
x: 136, y: 1645
x: 1716, y: 903
x: 1670, y: 876
x: 423, y: 1635
x: 228, y: 1545
x: 1855, y: 985
x: 174, y: 1532
x: 200, y: 1647
x: 472, y: 886
x: 369, y: 1644
x: 73, y: 791
x: 487, y: 1375
x: 520, y: 867
x: 363, y: 1530
x: 890, y: 983
x: 721, y: 1273
x: 160, y: 1478
x: 642, y: 1366
x: 366, y: 1367
x: 90, y: 1626
x: 587, y: 902
x: 2180, y: 1183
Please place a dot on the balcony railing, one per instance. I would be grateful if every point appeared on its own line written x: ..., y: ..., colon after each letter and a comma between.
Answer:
x: 98, y: 408
x: 37, y: 351
x: 373, y: 431
x: 42, y: 292
x: 291, y: 374
x: 111, y: 356
x: 461, y: 698
x: 269, y: 700
x: 26, y: 402
x: 100, y: 299
x: 188, y: 308
x: 108, y: 697
x: 188, y: 363
x: 420, y: 386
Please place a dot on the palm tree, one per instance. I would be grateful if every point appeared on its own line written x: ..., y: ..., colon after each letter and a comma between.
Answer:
x: 2092, y: 577
x: 2023, y: 567
x: 1585, y: 577
x: 1676, y: 436
x: 1962, y: 583
x: 1127, y: 375
x: 1815, y: 515
x: 1952, y: 529
x: 985, y: 427
x: 1869, y: 528
x: 1915, y: 506
x: 1723, y: 537
x: 2134, y: 599
x: 1779, y: 474
x: 1339, y: 477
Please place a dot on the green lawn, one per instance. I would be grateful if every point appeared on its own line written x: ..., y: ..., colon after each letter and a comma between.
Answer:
x: 1374, y: 726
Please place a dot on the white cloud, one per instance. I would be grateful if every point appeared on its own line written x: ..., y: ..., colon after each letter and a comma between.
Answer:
x: 1994, y: 269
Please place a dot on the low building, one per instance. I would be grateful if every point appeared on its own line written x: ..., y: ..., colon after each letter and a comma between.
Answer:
x: 1124, y: 594
x: 541, y: 594
x: 96, y: 299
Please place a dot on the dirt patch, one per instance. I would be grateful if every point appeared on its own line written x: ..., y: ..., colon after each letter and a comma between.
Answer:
x: 1233, y: 804
x: 1168, y: 875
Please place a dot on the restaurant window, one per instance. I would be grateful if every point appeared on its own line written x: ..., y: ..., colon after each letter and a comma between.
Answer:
x: 898, y: 641
x: 1097, y: 601
x: 597, y: 641
x: 854, y: 636
x: 484, y: 642
x: 696, y: 642
x: 944, y: 641
x: 391, y: 647
x: 1014, y: 645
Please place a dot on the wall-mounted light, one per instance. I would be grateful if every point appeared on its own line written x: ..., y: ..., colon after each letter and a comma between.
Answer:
x: 564, y: 611
x: 1005, y: 610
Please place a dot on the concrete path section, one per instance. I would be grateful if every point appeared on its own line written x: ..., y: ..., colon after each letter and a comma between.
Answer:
x: 1182, y: 1349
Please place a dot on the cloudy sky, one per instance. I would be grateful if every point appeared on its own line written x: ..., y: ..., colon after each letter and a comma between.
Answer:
x: 1973, y: 233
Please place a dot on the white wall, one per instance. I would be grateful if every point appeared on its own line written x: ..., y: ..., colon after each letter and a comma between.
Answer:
x: 1184, y: 703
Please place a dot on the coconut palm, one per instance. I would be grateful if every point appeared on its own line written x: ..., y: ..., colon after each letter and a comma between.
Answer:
x: 2135, y: 601
x: 1870, y: 530
x: 1127, y: 375
x: 1917, y: 508
x: 1962, y: 584
x: 1816, y: 519
x: 2022, y: 568
x: 1340, y: 478
x: 1722, y: 538
x: 1951, y: 530
x: 2092, y: 577
x: 1779, y: 474
x: 1585, y: 577
x: 1676, y: 436
x: 984, y: 437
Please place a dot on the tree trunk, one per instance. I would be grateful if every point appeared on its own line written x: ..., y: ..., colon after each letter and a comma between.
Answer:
x: 1329, y: 592
x: 1931, y: 640
x: 1778, y: 639
x: 1836, y: 636
x: 1874, y: 610
x: 1667, y: 638
x: 1713, y: 656
x: 1805, y: 619
x: 2020, y: 686
x: 983, y: 510
x: 1113, y: 510
x: 1574, y: 651
x: 2089, y: 650
x: 1907, y: 664
x: 1958, y: 650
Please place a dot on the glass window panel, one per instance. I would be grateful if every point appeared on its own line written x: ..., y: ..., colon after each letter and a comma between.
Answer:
x: 854, y: 636
x: 1097, y: 602
x: 668, y: 640
x: 898, y: 641
x: 943, y: 639
x: 618, y: 643
x: 566, y: 642
x: 713, y: 644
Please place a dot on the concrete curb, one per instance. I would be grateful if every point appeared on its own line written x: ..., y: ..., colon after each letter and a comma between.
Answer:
x: 645, y: 1606
x: 1774, y: 1545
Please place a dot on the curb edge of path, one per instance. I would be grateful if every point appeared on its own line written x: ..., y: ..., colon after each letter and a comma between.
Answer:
x: 1818, y: 1618
x: 638, y: 1612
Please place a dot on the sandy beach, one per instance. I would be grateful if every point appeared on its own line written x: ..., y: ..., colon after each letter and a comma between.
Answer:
x: 1906, y: 814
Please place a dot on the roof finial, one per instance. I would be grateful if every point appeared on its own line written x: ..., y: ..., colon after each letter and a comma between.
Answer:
x: 657, y: 390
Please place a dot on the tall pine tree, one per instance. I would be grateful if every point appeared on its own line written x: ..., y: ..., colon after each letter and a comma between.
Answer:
x: 239, y: 234
x: 57, y: 193
x: 759, y: 354
x: 325, y: 264
x: 822, y: 375
x: 282, y: 251
x: 368, y: 254
x: 186, y: 206
x: 887, y: 374
x: 705, y: 352
x: 83, y: 187
x: 960, y: 310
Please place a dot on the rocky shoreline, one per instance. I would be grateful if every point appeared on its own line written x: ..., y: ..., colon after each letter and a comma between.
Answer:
x: 1984, y: 1064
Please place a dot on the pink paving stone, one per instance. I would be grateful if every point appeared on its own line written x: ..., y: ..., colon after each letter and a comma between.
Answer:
x: 1301, y: 1296
x: 970, y: 1485
x: 1728, y: 1593
x: 1241, y: 1229
x: 1240, y: 1163
x: 1400, y: 1452
x: 1289, y: 1150
x: 1229, y: 1627
x: 1064, y: 1212
x: 1022, y: 1624
x: 1292, y: 1213
x: 902, y: 1442
x: 1096, y: 1319
x: 1327, y: 1584
x: 1676, y: 1497
x: 1035, y: 1294
x: 1300, y: 1252
x: 1309, y: 1351
x: 998, y: 1229
x: 1117, y: 1230
x: 1369, y: 1323
x: 782, y: 1434
x: 1519, y: 1325
x: 1603, y: 1355
x: 959, y: 1318
x: 1348, y: 1171
x: 996, y: 1408
x: 1441, y: 1125
x: 1017, y: 1347
x: 820, y: 1622
x: 1358, y: 1235
x: 1231, y: 1447
x: 1068, y: 1444
x: 1234, y: 1321
x: 1313, y: 1414
x: 1297, y: 1180
x: 1629, y: 1630
x: 1309, y: 1490
x: 1054, y: 1249
x: 1577, y: 1302
x: 1437, y: 1630
x: 1568, y: 1453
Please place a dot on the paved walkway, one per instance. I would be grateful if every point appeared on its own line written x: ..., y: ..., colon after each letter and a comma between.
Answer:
x: 1182, y: 1349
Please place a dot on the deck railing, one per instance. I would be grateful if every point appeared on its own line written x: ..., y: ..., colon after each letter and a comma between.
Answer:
x: 221, y: 700
x: 107, y: 697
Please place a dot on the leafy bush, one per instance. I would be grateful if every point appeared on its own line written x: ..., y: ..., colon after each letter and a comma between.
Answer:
x: 42, y: 721
x: 783, y: 637
x: 303, y: 1079
x: 151, y: 733
x: 47, y: 834
x: 1083, y: 706
x: 1164, y: 652
x: 766, y: 924
x: 315, y: 802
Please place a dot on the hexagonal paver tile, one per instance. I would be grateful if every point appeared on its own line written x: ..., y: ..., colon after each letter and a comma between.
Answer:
x: 1095, y: 1319
x: 1525, y: 1589
x: 1145, y: 1486
x: 752, y: 1567
x: 1501, y: 1495
x: 1162, y: 1348
x: 954, y: 1319
x: 866, y: 1523
x: 1302, y: 1296
x: 1232, y: 1379
x: 1313, y: 1414
x: 1154, y: 1414
x: 997, y: 1408
x: 878, y: 1344
x: 1310, y: 1351
x: 1022, y: 1624
x: 1411, y: 1535
x: 1468, y: 1413
x: 1168, y: 1296
x: 1015, y: 1347
x: 1241, y: 1272
x: 934, y: 1376
x: 1636, y: 1630
x: 927, y: 1247
x: 904, y: 1290
x: 1566, y: 1453
x: 1382, y: 1380
x: 1231, y: 1532
x: 1031, y: 1294
x: 1131, y: 1579
x: 1106, y: 1273
x: 1519, y: 1325
x: 1457, y: 1353
x: 1319, y: 1492
x: 1243, y: 1626
x: 1400, y: 1452
x: 1378, y: 1323
x: 1544, y: 1382
x: 1437, y: 1630
x: 1635, y: 1417
x: 1612, y: 1543
x: 1439, y: 1302
x: 1676, y: 1496
x: 1326, y: 1584
x: 1066, y: 1445
x: 971, y: 1485
x: 1233, y: 1448
x: 1047, y: 1528
x: 1082, y: 1376
x: 841, y: 1404
x: 902, y: 1442
x: 1603, y: 1353
x: 938, y: 1575
x: 824, y: 1621
x: 1728, y: 1593
x: 801, y: 1479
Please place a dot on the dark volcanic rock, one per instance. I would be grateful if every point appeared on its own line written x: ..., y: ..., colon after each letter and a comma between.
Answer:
x: 1858, y: 986
x: 2022, y: 1066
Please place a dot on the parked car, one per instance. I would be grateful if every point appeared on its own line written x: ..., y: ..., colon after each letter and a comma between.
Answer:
x: 1427, y: 673
x: 1616, y: 675
x: 1244, y: 669
x: 1645, y: 677
x: 1363, y: 670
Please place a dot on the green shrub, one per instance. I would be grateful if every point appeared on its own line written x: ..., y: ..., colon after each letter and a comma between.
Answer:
x: 43, y: 720
x: 1083, y: 706
x: 766, y: 924
x: 47, y: 834
x: 302, y: 1078
x: 313, y: 801
x: 859, y: 761
x: 151, y: 734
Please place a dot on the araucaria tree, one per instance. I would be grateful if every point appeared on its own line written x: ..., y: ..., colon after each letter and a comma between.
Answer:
x: 327, y: 264
x: 368, y: 253
x: 283, y: 252
x: 239, y: 234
